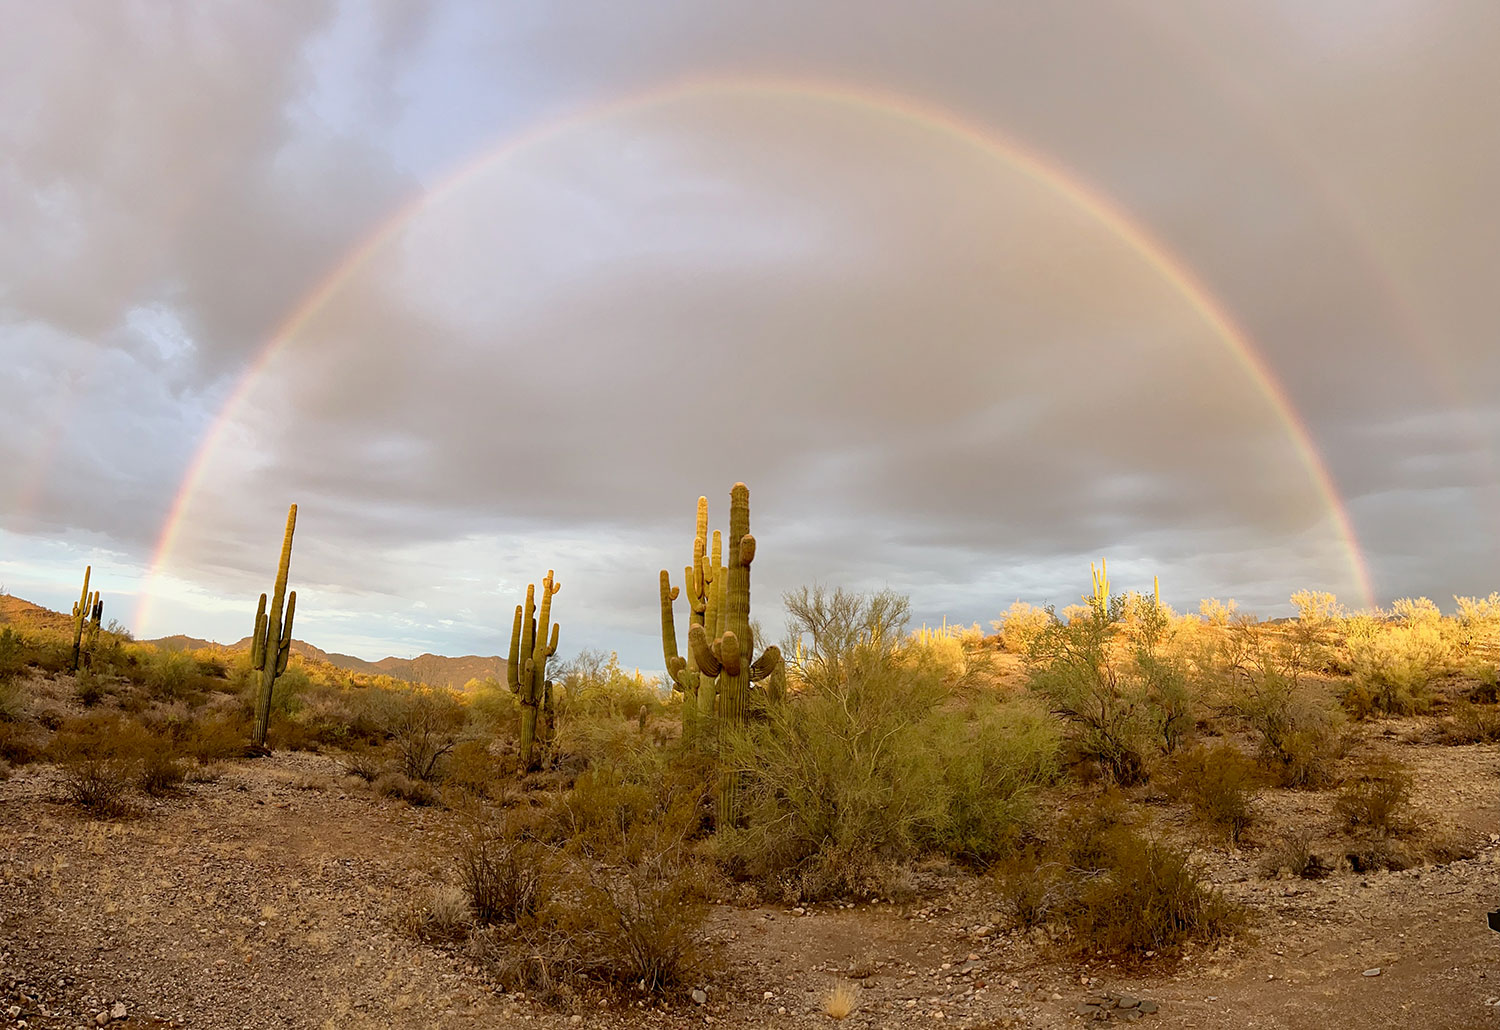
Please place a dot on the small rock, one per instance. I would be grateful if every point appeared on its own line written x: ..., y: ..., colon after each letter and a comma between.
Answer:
x: 14, y: 1012
x: 118, y: 1010
x: 1373, y: 972
x: 700, y: 996
x: 102, y: 1019
x: 1147, y: 1005
x: 575, y: 1019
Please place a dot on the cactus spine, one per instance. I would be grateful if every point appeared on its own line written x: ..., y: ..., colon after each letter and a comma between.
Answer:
x: 81, y: 611
x: 271, y: 646
x: 526, y: 666
x: 724, y: 661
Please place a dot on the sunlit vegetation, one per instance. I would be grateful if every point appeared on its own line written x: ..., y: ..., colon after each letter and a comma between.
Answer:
x: 1081, y: 761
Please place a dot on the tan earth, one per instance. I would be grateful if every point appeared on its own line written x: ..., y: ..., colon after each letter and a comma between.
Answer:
x: 268, y: 898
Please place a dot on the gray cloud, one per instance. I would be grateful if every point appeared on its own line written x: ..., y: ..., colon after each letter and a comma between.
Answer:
x: 935, y: 373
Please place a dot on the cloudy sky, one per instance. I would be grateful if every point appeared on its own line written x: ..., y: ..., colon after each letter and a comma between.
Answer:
x: 969, y: 293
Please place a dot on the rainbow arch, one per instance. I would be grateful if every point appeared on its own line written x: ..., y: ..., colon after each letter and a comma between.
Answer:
x: 1034, y: 165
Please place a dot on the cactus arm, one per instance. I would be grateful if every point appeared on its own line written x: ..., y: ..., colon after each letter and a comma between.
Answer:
x: 513, y: 661
x: 703, y: 656
x: 286, y: 634
x: 747, y: 549
x: 729, y: 653
x: 768, y: 662
x: 552, y: 644
x: 258, y: 644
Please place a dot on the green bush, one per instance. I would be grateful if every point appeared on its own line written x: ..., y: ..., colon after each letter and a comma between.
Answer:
x: 992, y: 758
x: 1218, y: 783
x: 1149, y: 902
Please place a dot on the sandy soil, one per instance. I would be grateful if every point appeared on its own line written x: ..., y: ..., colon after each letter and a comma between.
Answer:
x: 267, y: 898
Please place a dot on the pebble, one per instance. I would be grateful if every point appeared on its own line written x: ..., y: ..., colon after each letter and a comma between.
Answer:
x: 700, y: 996
x: 1372, y: 972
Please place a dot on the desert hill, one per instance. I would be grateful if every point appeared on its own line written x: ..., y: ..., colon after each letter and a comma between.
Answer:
x: 432, y: 669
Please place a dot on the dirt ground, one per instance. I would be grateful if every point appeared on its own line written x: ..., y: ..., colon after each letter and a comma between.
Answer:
x: 268, y: 898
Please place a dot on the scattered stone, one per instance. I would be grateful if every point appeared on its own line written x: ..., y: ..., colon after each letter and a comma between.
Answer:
x: 118, y: 1010
x: 1372, y: 972
x: 700, y: 996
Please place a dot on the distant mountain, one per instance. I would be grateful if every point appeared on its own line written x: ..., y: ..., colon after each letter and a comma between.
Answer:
x: 432, y: 669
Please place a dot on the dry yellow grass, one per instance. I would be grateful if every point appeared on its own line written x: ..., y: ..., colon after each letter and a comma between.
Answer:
x: 839, y: 1002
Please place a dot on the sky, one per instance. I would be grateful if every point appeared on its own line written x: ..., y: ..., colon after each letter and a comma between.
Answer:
x: 970, y: 295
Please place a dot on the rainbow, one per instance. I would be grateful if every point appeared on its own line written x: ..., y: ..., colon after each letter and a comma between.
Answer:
x: 1033, y: 165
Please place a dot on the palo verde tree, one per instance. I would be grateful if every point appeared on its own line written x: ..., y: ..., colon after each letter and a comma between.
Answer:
x: 526, y: 667
x: 271, y: 646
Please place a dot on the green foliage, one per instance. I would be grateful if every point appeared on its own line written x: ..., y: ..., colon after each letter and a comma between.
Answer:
x: 845, y: 781
x: 1074, y: 668
x: 1218, y: 783
x: 992, y: 758
x: 1151, y: 899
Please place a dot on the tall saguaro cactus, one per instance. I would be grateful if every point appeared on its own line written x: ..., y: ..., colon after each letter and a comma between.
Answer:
x: 724, y: 661
x: 81, y: 610
x: 271, y: 646
x: 91, y: 631
x: 703, y: 580
x: 526, y: 666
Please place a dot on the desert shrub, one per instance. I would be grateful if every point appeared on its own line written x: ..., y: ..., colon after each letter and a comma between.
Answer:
x: 832, y: 637
x: 99, y: 757
x: 14, y: 700
x: 1090, y: 832
x: 1293, y: 855
x: 1478, y: 621
x: 88, y: 687
x: 174, y: 674
x: 1394, y: 666
x: 471, y: 766
x: 1376, y: 798
x: 562, y: 920
x: 438, y: 915
x: 992, y: 759
x: 365, y: 763
x: 399, y: 785
x: 838, y: 780
x: 1152, y: 898
x: 214, y: 738
x: 593, y: 684
x: 494, y: 707
x: 1299, y: 739
x: 1032, y: 887
x: 504, y: 871
x: 638, y: 924
x: 1073, y: 666
x: 425, y: 728
x: 12, y: 654
x: 1371, y: 853
x: 19, y: 743
x: 1218, y: 783
x: 1020, y: 625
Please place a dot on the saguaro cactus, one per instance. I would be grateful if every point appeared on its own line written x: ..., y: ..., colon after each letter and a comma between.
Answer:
x: 526, y: 667
x: 271, y: 646
x: 91, y: 631
x: 81, y: 609
x: 704, y: 581
x: 724, y: 661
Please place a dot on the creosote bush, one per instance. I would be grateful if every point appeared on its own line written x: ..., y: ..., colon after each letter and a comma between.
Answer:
x: 1376, y: 798
x: 1218, y: 782
x: 1150, y: 898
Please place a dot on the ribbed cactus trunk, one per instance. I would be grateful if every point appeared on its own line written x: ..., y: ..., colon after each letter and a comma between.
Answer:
x: 91, y: 631
x: 526, y: 668
x: 81, y: 614
x: 271, y: 647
